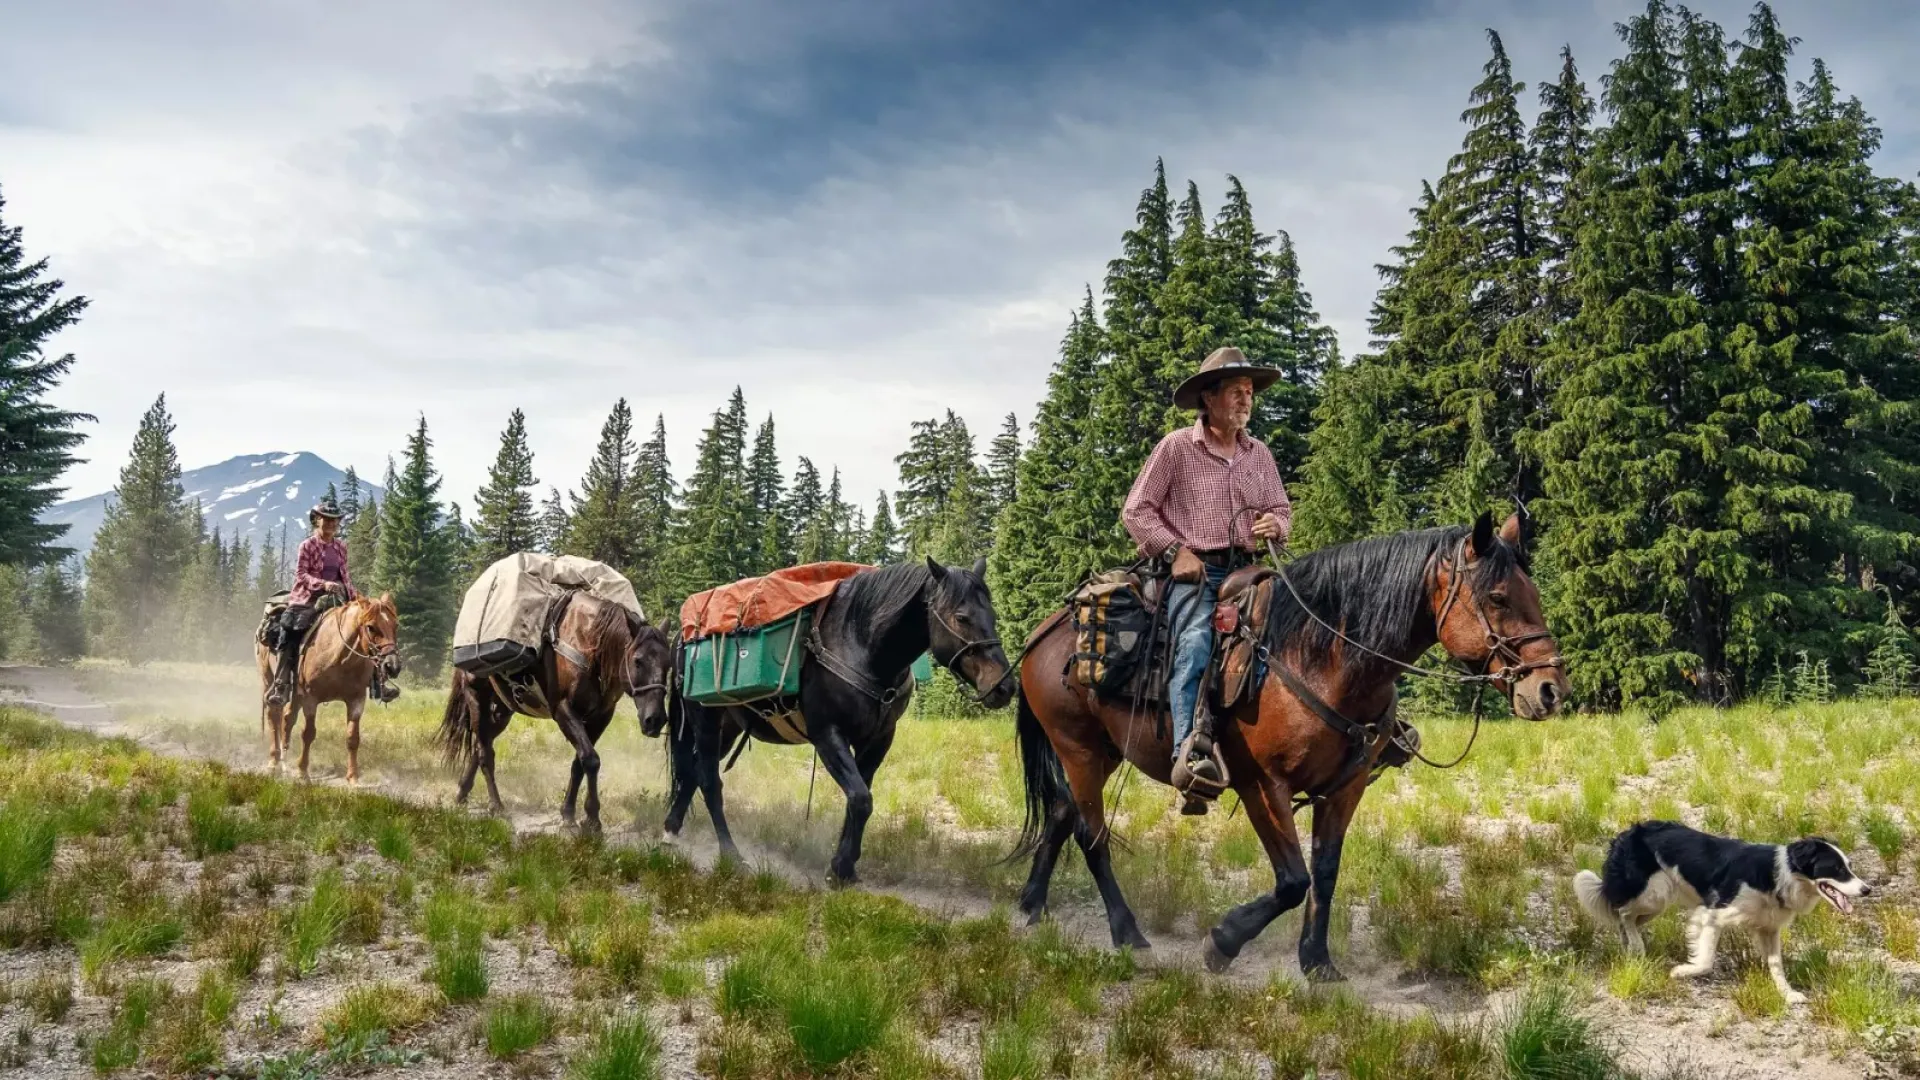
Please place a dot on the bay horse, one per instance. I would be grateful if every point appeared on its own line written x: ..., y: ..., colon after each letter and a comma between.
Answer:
x: 855, y: 681
x: 343, y: 649
x: 598, y: 652
x: 1343, y: 623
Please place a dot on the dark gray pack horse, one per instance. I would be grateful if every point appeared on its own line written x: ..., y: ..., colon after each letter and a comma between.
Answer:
x: 854, y: 685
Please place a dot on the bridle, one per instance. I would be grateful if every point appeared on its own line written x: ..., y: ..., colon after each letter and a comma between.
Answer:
x: 888, y: 695
x: 361, y: 644
x: 1504, y: 647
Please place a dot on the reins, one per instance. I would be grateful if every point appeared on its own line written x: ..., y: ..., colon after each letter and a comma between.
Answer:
x: 889, y: 695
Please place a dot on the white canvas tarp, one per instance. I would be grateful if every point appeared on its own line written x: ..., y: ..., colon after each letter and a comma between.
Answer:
x: 510, y: 598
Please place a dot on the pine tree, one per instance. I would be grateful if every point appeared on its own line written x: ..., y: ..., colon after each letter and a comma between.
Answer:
x: 880, y: 543
x: 654, y: 495
x: 351, y: 496
x: 1562, y: 142
x: 36, y: 440
x: 1043, y: 540
x: 766, y: 492
x: 555, y: 523
x: 805, y: 507
x: 143, y: 545
x: 199, y: 604
x: 504, y: 522
x: 60, y: 629
x: 1002, y: 478
x: 463, y: 547
x: 602, y: 523
x: 272, y: 575
x: 715, y: 544
x: 363, y: 548
x: 416, y: 560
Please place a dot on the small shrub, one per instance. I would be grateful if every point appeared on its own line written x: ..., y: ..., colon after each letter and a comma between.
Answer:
x: 1640, y: 978
x: 625, y: 1048
x: 518, y: 1023
x: 622, y: 948
x: 1858, y: 995
x: 1546, y: 1037
x: 1901, y: 932
x: 1013, y: 1049
x: 382, y: 1009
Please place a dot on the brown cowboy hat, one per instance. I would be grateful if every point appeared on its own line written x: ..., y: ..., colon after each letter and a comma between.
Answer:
x: 325, y: 508
x: 1225, y: 362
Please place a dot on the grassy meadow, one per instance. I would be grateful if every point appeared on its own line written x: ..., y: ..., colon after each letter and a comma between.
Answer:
x: 171, y: 915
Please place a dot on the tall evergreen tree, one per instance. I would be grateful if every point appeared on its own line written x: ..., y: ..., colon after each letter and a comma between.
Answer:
x: 880, y: 543
x: 1002, y: 479
x: 555, y: 523
x: 352, y: 494
x: 504, y: 522
x: 1562, y: 142
x: 714, y: 526
x: 602, y: 523
x: 363, y: 548
x: 36, y: 440
x: 416, y: 559
x: 654, y: 495
x: 59, y: 626
x: 1044, y: 539
x: 766, y: 493
x: 143, y: 546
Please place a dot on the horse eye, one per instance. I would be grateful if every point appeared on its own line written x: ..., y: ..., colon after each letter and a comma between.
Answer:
x: 1499, y: 599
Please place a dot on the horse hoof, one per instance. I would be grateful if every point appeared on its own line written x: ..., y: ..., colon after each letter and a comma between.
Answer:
x: 1324, y: 973
x: 1036, y: 916
x: 1217, y: 962
x: 1132, y: 938
x: 669, y: 838
x: 838, y: 880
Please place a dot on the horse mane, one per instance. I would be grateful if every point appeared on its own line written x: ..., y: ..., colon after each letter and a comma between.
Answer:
x: 877, y: 597
x: 1374, y: 590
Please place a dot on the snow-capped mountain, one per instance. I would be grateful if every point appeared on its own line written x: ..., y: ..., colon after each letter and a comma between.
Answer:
x: 251, y: 496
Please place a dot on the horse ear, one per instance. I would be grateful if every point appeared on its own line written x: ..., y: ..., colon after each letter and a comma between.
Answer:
x: 1515, y: 530
x: 939, y: 572
x: 980, y: 568
x: 1482, y: 535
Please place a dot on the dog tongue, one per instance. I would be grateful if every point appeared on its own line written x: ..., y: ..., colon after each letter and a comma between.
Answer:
x: 1839, y: 898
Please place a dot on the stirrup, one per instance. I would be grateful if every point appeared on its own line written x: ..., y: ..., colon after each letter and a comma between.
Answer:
x: 1199, y: 784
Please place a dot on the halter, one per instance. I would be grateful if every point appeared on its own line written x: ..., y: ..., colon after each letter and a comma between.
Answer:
x: 887, y: 695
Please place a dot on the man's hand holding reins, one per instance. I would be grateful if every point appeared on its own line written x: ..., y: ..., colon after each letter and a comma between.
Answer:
x: 1187, y: 567
x: 1267, y: 527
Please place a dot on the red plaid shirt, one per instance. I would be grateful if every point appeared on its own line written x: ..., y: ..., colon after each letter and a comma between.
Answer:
x: 320, y: 561
x: 1188, y: 494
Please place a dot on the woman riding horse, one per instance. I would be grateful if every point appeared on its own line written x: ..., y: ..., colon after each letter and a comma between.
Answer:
x: 320, y: 582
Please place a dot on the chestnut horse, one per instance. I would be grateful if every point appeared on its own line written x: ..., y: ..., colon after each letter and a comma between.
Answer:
x: 337, y: 663
x: 598, y: 652
x: 1343, y: 623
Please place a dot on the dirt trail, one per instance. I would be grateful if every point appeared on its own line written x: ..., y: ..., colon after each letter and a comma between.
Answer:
x: 1690, y: 1038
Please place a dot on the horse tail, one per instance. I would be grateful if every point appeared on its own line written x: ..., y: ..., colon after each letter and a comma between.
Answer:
x: 1046, y: 780
x: 459, y: 742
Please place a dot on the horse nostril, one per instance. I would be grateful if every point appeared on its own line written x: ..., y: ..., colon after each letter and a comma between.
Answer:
x: 1547, y: 695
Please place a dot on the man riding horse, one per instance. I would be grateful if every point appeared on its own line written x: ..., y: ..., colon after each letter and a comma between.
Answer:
x: 320, y: 582
x: 1206, y: 495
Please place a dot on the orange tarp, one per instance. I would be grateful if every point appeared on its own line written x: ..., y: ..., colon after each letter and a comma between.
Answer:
x: 753, y: 602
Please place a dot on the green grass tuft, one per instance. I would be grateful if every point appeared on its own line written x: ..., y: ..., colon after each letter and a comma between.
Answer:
x: 316, y: 923
x: 517, y: 1023
x: 27, y: 843
x: 212, y: 828
x: 139, y: 1005
x: 144, y: 931
x: 384, y: 1009
x: 1757, y: 998
x: 1547, y: 1037
x: 625, y: 1048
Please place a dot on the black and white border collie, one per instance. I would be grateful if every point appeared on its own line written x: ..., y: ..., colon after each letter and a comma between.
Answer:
x: 1722, y: 883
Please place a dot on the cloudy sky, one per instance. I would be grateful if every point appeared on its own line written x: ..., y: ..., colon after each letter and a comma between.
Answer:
x: 307, y: 223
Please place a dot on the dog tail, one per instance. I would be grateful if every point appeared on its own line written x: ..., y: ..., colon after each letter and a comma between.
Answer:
x: 1586, y: 889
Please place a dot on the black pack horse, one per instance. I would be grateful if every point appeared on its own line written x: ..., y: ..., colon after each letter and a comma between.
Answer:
x: 855, y: 681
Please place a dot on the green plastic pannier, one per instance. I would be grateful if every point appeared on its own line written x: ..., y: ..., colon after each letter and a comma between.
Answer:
x: 747, y: 665
x: 923, y: 668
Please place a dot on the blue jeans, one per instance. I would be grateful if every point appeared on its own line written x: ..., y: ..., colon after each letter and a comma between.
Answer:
x: 1190, y: 621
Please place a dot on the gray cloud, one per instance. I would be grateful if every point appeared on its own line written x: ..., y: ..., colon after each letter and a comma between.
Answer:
x: 552, y: 212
